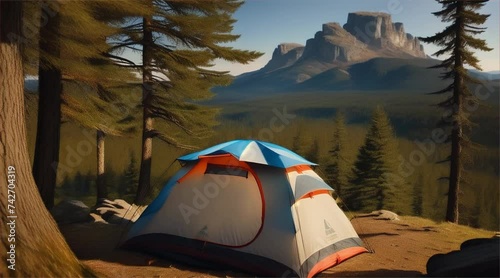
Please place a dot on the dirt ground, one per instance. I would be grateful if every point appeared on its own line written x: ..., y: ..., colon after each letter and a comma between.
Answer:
x: 401, y: 248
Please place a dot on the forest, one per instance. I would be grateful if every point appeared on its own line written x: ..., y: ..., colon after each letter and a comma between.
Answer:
x: 312, y: 137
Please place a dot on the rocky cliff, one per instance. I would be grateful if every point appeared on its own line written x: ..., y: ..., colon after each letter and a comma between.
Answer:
x: 378, y: 32
x: 334, y: 44
x: 284, y: 55
x: 332, y: 52
x: 366, y: 35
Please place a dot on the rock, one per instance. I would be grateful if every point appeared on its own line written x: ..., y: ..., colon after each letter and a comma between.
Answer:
x: 333, y: 44
x: 118, y: 211
x: 377, y: 31
x: 97, y: 218
x: 476, y: 258
x: 71, y: 211
x: 380, y: 215
x: 114, y: 217
x: 118, y: 203
x: 284, y: 55
x: 385, y: 215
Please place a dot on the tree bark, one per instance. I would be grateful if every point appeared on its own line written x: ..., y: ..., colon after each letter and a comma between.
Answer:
x: 456, y: 132
x: 49, y: 114
x: 100, y: 181
x: 147, y: 93
x: 40, y: 250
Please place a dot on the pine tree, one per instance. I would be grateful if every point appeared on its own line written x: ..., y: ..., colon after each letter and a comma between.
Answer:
x: 457, y: 40
x: 67, y: 52
x: 102, y: 116
x: 111, y: 111
x: 130, y: 177
x: 297, y: 144
x: 312, y: 153
x: 417, y: 196
x: 179, y: 40
x: 375, y: 183
x: 338, y: 170
x: 40, y: 248
x: 49, y: 113
x: 79, y: 184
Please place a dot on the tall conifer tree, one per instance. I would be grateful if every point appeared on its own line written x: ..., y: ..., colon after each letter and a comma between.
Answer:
x: 179, y: 41
x: 458, y: 41
x: 375, y: 183
x: 338, y: 169
x: 93, y: 113
x: 39, y: 247
x: 68, y: 52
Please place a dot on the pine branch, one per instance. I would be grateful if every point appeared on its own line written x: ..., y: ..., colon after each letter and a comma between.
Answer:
x: 127, y: 62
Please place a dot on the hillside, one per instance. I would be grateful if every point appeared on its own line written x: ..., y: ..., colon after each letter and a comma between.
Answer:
x: 379, y: 74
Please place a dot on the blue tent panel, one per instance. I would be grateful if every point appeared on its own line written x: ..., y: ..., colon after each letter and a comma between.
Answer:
x: 305, y: 184
x: 274, y: 155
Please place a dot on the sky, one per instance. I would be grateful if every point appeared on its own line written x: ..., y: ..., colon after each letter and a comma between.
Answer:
x: 263, y: 24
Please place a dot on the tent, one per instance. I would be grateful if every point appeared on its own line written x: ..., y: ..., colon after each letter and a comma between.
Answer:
x: 250, y: 205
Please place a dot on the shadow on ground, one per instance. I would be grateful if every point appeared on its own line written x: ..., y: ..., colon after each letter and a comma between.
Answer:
x: 101, y: 242
x: 373, y: 273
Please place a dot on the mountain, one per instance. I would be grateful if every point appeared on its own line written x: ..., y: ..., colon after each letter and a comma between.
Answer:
x: 491, y: 75
x: 378, y: 74
x: 333, y: 50
x: 31, y: 85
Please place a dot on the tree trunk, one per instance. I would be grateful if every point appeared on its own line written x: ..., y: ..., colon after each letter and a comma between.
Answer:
x: 28, y: 234
x: 455, y: 175
x: 147, y: 129
x: 100, y: 182
x: 49, y: 114
x: 456, y: 132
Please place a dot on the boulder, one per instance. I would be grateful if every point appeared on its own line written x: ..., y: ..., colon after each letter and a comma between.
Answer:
x: 385, y: 215
x: 113, y: 217
x: 118, y: 211
x: 380, y: 215
x: 117, y: 203
x: 476, y: 258
x: 97, y: 218
x: 71, y: 211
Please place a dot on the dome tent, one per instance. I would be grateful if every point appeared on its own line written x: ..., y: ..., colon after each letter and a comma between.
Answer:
x: 251, y: 205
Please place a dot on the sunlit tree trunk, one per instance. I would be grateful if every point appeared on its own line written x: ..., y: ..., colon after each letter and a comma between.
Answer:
x: 100, y: 182
x: 147, y: 93
x: 40, y: 250
x: 456, y: 133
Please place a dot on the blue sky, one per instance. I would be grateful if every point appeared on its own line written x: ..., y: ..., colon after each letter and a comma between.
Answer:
x: 263, y: 24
